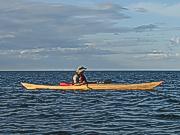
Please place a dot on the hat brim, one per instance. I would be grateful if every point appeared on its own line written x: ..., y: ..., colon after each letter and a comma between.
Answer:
x: 81, y: 70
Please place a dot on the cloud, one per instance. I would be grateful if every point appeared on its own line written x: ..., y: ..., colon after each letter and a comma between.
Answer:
x: 110, y: 6
x: 39, y: 24
x: 39, y: 32
x: 55, y: 58
x: 143, y: 28
x: 159, y: 8
x: 40, y: 53
x: 157, y: 55
x: 6, y: 36
x: 142, y: 10
x: 175, y: 40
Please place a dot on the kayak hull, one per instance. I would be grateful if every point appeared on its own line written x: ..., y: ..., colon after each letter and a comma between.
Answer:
x: 140, y: 86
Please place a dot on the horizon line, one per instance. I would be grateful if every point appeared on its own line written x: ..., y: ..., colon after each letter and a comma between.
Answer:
x: 95, y: 70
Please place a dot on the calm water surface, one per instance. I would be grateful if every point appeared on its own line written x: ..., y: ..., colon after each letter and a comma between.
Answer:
x: 89, y: 112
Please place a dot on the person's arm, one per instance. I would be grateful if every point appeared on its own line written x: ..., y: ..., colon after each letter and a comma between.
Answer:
x: 75, y: 79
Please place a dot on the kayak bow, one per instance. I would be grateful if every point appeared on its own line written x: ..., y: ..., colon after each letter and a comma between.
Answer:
x: 140, y: 86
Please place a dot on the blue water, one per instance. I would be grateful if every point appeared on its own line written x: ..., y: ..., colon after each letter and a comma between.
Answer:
x: 89, y: 112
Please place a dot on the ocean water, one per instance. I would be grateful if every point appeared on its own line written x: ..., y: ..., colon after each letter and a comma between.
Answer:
x: 50, y: 112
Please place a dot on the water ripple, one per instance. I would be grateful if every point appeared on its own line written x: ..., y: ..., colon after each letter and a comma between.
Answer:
x: 90, y: 112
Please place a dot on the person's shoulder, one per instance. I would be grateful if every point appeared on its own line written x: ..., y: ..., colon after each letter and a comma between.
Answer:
x: 75, y: 75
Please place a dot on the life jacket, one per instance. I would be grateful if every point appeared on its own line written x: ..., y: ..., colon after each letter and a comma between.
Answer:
x: 80, y: 78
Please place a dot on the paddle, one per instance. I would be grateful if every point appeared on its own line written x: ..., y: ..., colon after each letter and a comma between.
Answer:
x: 88, y: 86
x: 107, y: 81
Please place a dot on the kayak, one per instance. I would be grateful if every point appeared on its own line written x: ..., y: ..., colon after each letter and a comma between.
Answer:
x: 95, y: 86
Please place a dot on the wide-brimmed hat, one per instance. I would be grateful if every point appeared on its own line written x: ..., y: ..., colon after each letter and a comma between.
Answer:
x: 80, y: 69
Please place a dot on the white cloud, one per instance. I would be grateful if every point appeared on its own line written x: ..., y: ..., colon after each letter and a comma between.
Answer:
x: 110, y: 6
x: 142, y: 10
x: 175, y: 40
x: 157, y: 55
x: 31, y: 51
x: 7, y: 36
x: 159, y: 8
x: 38, y: 53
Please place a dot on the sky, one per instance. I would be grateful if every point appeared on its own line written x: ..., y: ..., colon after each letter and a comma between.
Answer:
x: 98, y: 34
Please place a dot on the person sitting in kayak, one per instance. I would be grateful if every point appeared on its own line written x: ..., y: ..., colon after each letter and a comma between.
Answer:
x: 79, y: 77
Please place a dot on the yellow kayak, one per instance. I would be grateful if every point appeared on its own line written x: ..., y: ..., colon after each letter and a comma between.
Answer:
x: 140, y: 86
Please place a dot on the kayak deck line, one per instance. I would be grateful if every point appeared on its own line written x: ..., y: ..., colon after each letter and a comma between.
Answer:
x: 139, y: 86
